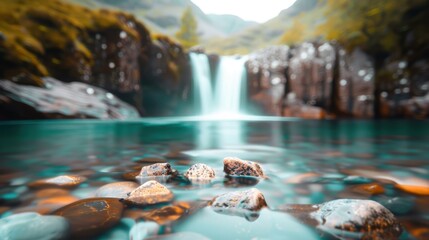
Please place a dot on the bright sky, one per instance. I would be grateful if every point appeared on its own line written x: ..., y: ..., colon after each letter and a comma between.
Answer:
x: 254, y: 10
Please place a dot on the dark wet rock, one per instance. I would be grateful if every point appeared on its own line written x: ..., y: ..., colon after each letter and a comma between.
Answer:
x: 200, y: 171
x: 156, y: 170
x: 92, y: 216
x: 245, y: 203
x: 363, y: 219
x: 116, y: 190
x: 237, y: 167
x: 33, y: 226
x: 397, y: 205
x: 61, y: 100
x: 150, y: 193
x: 65, y: 181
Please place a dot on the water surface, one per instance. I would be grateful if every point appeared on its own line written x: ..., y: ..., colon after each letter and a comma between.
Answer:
x: 307, y: 162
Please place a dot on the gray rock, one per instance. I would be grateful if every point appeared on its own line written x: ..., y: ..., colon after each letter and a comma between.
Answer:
x: 143, y: 230
x: 116, y: 190
x: 33, y: 226
x: 237, y: 167
x: 63, y: 100
x: 200, y: 171
x: 156, y: 170
x: 364, y: 219
x: 150, y: 193
x: 241, y: 203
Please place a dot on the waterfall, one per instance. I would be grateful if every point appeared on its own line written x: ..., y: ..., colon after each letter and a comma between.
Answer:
x: 225, y: 98
x: 202, y: 83
x: 229, y: 91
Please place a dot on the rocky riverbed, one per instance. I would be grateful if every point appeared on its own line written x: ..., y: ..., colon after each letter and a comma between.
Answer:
x: 200, y: 180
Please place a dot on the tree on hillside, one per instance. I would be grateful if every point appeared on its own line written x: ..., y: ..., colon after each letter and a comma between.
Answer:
x: 187, y: 34
x: 374, y: 26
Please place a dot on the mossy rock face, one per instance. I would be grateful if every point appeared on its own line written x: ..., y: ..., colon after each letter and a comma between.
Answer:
x: 51, y: 37
x: 103, y: 48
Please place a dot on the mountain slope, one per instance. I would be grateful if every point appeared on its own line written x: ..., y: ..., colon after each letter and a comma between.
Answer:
x: 269, y: 33
x: 163, y: 16
x: 230, y: 24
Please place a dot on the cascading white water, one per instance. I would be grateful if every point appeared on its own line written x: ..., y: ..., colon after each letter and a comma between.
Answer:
x: 230, y: 87
x: 226, y: 97
x: 202, y: 84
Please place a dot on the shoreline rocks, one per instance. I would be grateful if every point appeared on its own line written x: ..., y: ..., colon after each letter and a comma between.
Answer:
x: 149, y: 193
x: 236, y: 167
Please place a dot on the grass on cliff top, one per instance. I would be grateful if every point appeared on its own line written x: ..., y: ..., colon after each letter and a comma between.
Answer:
x: 31, y: 27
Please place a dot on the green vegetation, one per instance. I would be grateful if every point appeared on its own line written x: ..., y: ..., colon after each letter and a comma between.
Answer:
x: 187, y: 34
x: 40, y: 35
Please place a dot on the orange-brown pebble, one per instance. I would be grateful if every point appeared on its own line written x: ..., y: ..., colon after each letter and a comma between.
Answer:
x: 92, y: 216
x: 371, y: 188
x: 414, y: 185
x: 150, y: 193
x: 64, y: 181
x: 59, y: 201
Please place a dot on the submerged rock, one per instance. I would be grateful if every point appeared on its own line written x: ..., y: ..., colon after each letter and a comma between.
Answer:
x: 363, y: 219
x: 150, y: 193
x: 116, y: 190
x: 241, y: 203
x: 200, y: 172
x: 33, y: 226
x: 156, y: 170
x: 92, y: 216
x: 143, y: 230
x: 237, y: 167
x: 65, y: 181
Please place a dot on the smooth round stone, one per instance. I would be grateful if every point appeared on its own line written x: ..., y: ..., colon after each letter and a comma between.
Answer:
x: 364, y: 219
x: 156, y: 170
x: 150, y: 193
x: 92, y: 216
x: 143, y: 230
x: 240, y: 203
x: 200, y: 171
x: 237, y: 167
x: 65, y: 181
x: 116, y: 190
x: 33, y: 226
